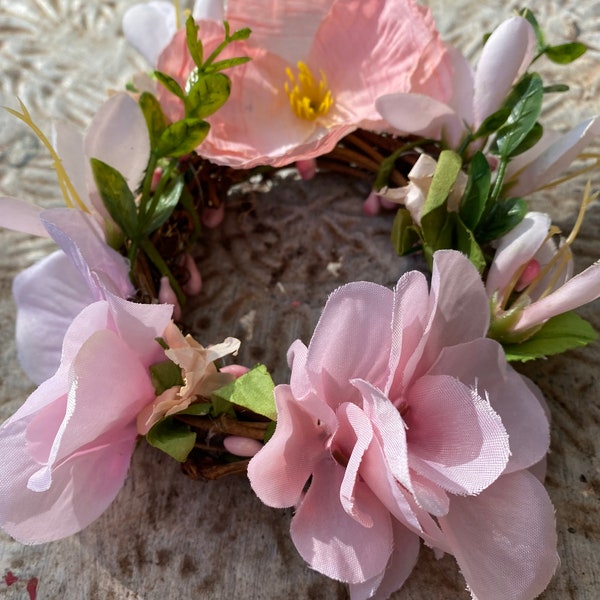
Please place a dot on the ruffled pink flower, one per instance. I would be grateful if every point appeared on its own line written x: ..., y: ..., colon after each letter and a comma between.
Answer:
x: 505, y: 57
x: 350, y: 53
x: 402, y: 420
x: 200, y: 375
x: 529, y: 264
x: 66, y: 451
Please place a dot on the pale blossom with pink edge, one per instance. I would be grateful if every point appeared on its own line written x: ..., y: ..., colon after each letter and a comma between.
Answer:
x: 531, y: 277
x: 403, y: 421
x: 67, y: 450
x: 413, y: 195
x: 200, y: 375
x: 339, y: 56
x: 505, y: 57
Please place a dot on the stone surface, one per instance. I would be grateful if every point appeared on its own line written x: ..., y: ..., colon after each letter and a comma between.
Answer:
x: 267, y: 273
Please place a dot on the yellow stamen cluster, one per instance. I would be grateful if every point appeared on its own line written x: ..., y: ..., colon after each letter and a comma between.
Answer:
x: 309, y: 99
x: 67, y: 188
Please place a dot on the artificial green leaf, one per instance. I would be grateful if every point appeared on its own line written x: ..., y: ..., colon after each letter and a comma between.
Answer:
x: 165, y: 205
x: 474, y: 200
x: 502, y: 217
x: 559, y: 334
x: 116, y: 196
x: 197, y: 409
x: 530, y: 140
x: 493, y: 122
x: 207, y: 94
x: 182, y: 137
x: 526, y: 105
x: 221, y: 405
x: 193, y: 43
x: 170, y: 84
x: 228, y: 63
x: 269, y: 431
x: 172, y: 437
x: 404, y: 233
x: 466, y: 243
x: 564, y: 54
x: 155, y: 118
x: 557, y: 87
x: 165, y: 375
x: 240, y: 34
x: 254, y: 391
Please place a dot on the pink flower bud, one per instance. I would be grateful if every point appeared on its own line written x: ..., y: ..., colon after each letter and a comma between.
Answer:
x: 212, y: 217
x: 156, y: 177
x: 307, y: 168
x: 235, y: 370
x: 241, y: 446
x: 166, y: 295
x: 372, y: 205
x: 193, y: 285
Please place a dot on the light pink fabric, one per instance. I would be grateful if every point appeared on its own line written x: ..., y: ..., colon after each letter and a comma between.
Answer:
x: 406, y: 421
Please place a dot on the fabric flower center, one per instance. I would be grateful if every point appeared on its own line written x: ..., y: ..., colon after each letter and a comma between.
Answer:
x: 309, y: 98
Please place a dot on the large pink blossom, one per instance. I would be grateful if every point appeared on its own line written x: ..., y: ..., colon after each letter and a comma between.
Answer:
x: 402, y: 420
x: 360, y: 50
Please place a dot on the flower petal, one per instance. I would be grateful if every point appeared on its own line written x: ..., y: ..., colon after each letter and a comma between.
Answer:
x: 504, y: 539
x: 334, y: 543
x: 505, y: 57
x: 19, y: 215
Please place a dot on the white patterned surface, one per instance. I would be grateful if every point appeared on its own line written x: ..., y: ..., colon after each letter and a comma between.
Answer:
x: 266, y: 277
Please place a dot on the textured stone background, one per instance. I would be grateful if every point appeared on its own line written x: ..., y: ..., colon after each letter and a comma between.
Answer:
x: 267, y: 273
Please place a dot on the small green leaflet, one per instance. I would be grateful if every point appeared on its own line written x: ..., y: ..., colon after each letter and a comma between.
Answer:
x: 182, y: 137
x: 165, y: 375
x: 172, y: 437
x: 559, y: 334
x: 155, y: 118
x: 564, y: 54
x: 404, y: 232
x: 254, y: 391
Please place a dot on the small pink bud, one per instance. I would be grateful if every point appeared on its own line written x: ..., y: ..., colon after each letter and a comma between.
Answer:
x: 156, y: 177
x: 193, y: 285
x: 241, y: 446
x: 212, y: 217
x: 307, y: 169
x: 531, y: 271
x: 166, y: 295
x: 235, y: 370
x: 372, y: 205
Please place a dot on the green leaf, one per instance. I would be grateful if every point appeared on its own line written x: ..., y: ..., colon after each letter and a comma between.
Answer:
x: 165, y: 206
x: 502, y: 217
x: 172, y: 437
x: 404, y: 232
x: 526, y: 104
x: 530, y: 140
x: 559, y: 334
x: 155, y: 118
x: 474, y: 200
x: 466, y: 243
x: 165, y: 375
x: 197, y: 409
x: 207, y: 93
x: 557, y: 87
x: 493, y: 122
x: 116, y: 196
x: 254, y: 391
x: 227, y: 63
x: 193, y: 43
x: 240, y: 34
x: 563, y: 54
x: 182, y: 137
x: 170, y: 84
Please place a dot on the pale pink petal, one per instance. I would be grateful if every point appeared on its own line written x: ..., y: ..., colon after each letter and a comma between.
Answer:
x: 213, y: 10
x: 505, y: 57
x: 401, y: 563
x: 332, y: 542
x: 481, y: 364
x: 504, y: 539
x: 166, y: 295
x: 581, y: 289
x: 119, y: 118
x: 279, y: 472
x: 454, y: 436
x: 556, y: 158
x: 423, y: 116
x: 366, y: 51
x: 348, y: 345
x: 519, y: 162
x: 514, y: 250
x: 149, y: 27
x: 19, y: 215
x: 462, y: 85
x: 284, y: 28
x: 49, y: 295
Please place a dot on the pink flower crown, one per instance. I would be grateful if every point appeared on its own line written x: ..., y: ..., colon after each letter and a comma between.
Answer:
x: 402, y: 418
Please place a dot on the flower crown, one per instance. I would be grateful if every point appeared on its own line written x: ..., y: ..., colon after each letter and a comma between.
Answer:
x: 402, y: 418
